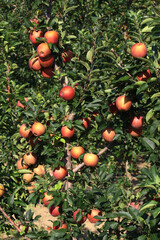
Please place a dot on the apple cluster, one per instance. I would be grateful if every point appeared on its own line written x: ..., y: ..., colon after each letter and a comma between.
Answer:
x: 45, y: 59
x: 55, y: 211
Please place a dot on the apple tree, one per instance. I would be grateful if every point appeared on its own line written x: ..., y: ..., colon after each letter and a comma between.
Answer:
x: 80, y: 118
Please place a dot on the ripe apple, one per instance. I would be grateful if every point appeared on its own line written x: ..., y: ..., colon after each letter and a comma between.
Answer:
x: 108, y: 134
x: 52, y: 36
x: 67, y: 56
x: 112, y: 108
x: 31, y: 188
x: 24, y: 131
x: 46, y: 62
x: 35, y: 34
x: 138, y: 50
x: 133, y: 204
x: 34, y: 64
x: 67, y: 132
x: 136, y: 121
x: 54, y: 211
x: 38, y: 129
x: 21, y: 165
x: 1, y: 190
x: 144, y: 75
x: 90, y: 159
x: 60, y: 172
x: 135, y: 132
x: 30, y: 158
x: 123, y: 103
x: 43, y: 50
x: 83, y: 217
x: 48, y: 72
x: 86, y: 122
x: 39, y: 170
x: 92, y: 214
x: 77, y: 151
x: 27, y: 177
x: 67, y: 93
x: 47, y: 198
x: 63, y: 226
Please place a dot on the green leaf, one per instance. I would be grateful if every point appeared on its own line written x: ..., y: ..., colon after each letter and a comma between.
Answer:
x: 85, y: 65
x: 156, y: 212
x: 70, y: 9
x: 147, y: 142
x: 156, y: 95
x: 149, y: 115
x: 149, y: 205
x: 147, y: 20
x: 90, y: 55
x: 134, y: 212
x: 142, y: 88
x: 147, y: 29
x: 124, y: 214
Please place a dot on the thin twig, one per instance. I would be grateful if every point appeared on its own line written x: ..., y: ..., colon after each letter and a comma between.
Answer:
x: 11, y: 222
x: 119, y: 64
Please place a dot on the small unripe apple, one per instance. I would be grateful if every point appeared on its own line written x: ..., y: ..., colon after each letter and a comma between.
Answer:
x: 38, y: 129
x: 123, y: 103
x: 67, y: 93
x: 92, y: 214
x: 138, y: 50
x: 24, y: 131
x: 108, y: 134
x: 136, y: 121
x: 60, y: 172
x: 90, y: 159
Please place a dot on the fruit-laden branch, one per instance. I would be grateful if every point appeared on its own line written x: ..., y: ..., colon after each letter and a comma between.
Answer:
x: 12, y: 223
x: 82, y: 164
x: 119, y: 64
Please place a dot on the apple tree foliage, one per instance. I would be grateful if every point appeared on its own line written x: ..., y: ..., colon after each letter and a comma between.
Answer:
x: 100, y: 34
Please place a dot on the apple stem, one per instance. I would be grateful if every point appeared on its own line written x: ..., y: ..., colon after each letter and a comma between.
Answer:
x: 10, y: 220
x: 119, y: 64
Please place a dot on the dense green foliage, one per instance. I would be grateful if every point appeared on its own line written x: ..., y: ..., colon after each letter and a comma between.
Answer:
x: 100, y: 35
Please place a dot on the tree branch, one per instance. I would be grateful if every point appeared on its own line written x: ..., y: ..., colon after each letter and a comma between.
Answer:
x: 11, y: 221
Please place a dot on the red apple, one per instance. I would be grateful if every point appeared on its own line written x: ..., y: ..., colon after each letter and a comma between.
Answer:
x: 77, y: 151
x: 144, y: 75
x: 24, y: 131
x: 136, y: 121
x: 108, y: 134
x: 47, y: 198
x: 67, y: 93
x: 135, y: 132
x: 138, y: 50
x: 83, y: 217
x: 63, y: 226
x: 54, y: 211
x: 38, y: 129
x: 123, y: 103
x: 90, y: 159
x: 92, y: 214
x: 67, y: 132
x: 60, y: 172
